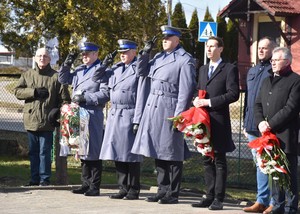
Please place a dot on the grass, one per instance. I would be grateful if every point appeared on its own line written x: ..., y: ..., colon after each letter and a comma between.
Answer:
x: 11, y: 70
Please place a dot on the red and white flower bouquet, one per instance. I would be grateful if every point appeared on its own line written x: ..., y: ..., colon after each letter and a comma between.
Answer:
x: 70, y: 125
x: 74, y: 129
x: 195, y: 124
x: 271, y: 159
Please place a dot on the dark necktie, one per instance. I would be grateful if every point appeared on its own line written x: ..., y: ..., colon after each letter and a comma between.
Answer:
x: 211, y: 70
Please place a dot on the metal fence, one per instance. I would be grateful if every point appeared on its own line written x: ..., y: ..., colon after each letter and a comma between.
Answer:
x: 241, y: 170
x: 10, y: 60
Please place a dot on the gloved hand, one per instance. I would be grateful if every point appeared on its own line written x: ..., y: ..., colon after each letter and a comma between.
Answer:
x: 109, y: 59
x: 70, y: 59
x: 53, y: 117
x: 78, y: 98
x: 149, y: 45
x: 41, y: 93
x: 135, y: 128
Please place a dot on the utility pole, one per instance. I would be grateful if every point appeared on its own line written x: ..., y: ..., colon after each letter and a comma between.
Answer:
x: 169, y: 11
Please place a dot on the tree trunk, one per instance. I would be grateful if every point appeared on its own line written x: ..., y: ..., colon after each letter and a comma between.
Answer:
x: 60, y: 162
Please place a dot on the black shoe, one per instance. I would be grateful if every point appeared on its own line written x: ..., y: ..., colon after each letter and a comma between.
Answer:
x: 204, y: 202
x: 92, y: 192
x: 80, y: 190
x: 216, y: 205
x: 168, y: 200
x: 31, y: 184
x: 131, y: 197
x: 118, y: 195
x: 153, y: 198
x: 44, y: 183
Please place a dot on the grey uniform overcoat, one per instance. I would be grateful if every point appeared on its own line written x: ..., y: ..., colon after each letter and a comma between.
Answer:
x: 119, y: 137
x: 171, y: 90
x: 96, y: 95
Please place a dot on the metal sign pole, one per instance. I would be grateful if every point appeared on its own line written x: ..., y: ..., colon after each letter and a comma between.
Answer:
x: 205, y: 57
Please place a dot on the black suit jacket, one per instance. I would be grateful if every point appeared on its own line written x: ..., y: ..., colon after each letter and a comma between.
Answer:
x: 222, y: 89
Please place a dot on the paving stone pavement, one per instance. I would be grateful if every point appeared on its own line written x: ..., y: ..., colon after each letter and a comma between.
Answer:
x: 59, y: 199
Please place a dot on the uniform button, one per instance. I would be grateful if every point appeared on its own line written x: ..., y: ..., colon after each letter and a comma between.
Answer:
x: 270, y: 92
x: 268, y: 104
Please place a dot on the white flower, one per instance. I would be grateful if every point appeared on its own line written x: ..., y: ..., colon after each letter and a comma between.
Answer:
x: 208, y: 149
x: 200, y: 150
x: 273, y: 163
x: 198, y: 131
x: 185, y: 130
x: 74, y: 140
x: 190, y: 127
x: 203, y: 140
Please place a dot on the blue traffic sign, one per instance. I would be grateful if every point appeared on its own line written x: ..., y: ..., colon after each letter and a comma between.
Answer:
x: 206, y: 30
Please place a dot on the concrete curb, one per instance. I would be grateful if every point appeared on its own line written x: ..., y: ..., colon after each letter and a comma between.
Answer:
x: 151, y: 189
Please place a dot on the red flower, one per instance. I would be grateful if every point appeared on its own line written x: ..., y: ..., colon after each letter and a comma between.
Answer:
x: 188, y: 134
x: 195, y: 124
x: 271, y: 158
x: 199, y: 136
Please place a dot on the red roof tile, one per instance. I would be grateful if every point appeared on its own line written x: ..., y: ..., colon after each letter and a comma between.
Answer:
x: 274, y: 7
x: 280, y: 6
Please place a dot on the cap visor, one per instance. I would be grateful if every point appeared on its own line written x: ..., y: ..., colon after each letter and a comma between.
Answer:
x: 123, y: 50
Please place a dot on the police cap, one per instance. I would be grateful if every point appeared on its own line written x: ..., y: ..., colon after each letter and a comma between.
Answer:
x: 89, y: 46
x: 125, y: 45
x: 170, y: 31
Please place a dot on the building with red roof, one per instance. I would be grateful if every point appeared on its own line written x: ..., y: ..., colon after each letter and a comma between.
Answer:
x: 254, y: 19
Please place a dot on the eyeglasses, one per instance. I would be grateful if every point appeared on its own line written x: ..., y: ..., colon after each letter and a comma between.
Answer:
x: 276, y: 60
x: 42, y: 56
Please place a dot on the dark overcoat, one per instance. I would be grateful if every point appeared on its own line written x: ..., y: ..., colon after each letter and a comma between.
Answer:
x: 255, y: 77
x: 119, y: 137
x: 172, y: 83
x: 96, y: 95
x: 279, y: 103
x: 222, y: 89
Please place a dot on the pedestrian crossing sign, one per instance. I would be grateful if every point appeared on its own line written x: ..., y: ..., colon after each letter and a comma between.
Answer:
x: 206, y: 30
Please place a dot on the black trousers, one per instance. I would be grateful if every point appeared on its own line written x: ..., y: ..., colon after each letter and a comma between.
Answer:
x: 169, y: 175
x: 215, y: 175
x: 128, y: 175
x: 91, y: 173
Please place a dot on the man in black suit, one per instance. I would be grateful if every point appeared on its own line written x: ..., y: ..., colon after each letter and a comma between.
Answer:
x: 220, y: 80
x: 277, y: 110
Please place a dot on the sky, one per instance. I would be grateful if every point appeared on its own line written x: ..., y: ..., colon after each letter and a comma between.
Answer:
x: 189, y: 6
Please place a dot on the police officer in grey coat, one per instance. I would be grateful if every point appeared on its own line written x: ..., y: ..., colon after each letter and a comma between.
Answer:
x: 172, y: 74
x: 122, y: 117
x: 91, y: 95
